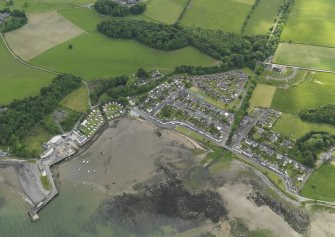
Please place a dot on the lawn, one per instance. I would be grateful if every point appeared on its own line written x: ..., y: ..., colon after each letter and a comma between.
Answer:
x: 262, y: 96
x: 194, y: 135
x: 308, y: 56
x: 36, y: 137
x: 77, y: 100
x: 311, y: 22
x: 166, y: 11
x: 263, y: 17
x: 227, y: 15
x: 316, y: 90
x: 42, y: 6
x: 17, y: 80
x: 320, y: 185
x: 45, y: 182
x: 95, y: 55
x: 292, y: 126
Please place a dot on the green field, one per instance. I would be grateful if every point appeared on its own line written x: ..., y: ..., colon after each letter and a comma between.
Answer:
x: 317, y: 89
x: 320, y: 185
x: 308, y: 56
x: 292, y: 126
x: 262, y: 96
x: 263, y: 17
x: 194, y: 135
x: 311, y: 22
x: 77, y: 100
x: 94, y: 55
x: 17, y: 80
x: 227, y: 15
x: 42, y: 6
x: 36, y: 137
x: 166, y: 11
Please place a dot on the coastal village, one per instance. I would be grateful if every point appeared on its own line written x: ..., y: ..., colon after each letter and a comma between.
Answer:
x: 201, y: 104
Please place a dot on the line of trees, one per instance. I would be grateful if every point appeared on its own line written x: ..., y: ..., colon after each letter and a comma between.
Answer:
x: 249, y: 16
x: 323, y: 114
x: 232, y: 49
x: 274, y: 39
x: 15, y: 20
x: 22, y: 116
x: 112, y: 8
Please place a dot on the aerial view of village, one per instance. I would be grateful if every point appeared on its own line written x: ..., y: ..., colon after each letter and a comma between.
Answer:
x: 167, y: 118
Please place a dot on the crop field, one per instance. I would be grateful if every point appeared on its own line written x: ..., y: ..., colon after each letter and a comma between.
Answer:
x: 263, y: 17
x: 42, y: 6
x: 311, y: 22
x: 320, y: 185
x: 43, y: 31
x: 292, y: 126
x: 262, y: 96
x: 77, y: 100
x: 166, y: 11
x: 308, y: 56
x: 101, y: 56
x: 17, y: 80
x: 226, y: 15
x: 316, y: 90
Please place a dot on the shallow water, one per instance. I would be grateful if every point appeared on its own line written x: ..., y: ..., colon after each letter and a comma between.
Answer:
x: 67, y: 215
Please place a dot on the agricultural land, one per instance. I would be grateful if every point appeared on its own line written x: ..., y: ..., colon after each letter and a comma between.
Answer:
x: 226, y: 15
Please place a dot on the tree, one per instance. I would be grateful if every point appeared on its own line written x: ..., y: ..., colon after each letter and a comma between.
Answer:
x: 70, y: 46
x: 141, y: 73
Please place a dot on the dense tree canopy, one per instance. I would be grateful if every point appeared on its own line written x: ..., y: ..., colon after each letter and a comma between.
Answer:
x: 232, y: 49
x: 15, y: 20
x: 323, y: 114
x: 22, y: 115
x: 313, y: 143
x: 110, y: 7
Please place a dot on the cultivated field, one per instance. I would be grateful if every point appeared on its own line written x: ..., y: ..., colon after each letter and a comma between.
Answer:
x: 43, y: 31
x: 95, y: 55
x: 263, y: 17
x: 316, y: 90
x: 292, y: 126
x: 166, y: 11
x: 311, y: 22
x: 308, y: 56
x: 262, y: 96
x: 77, y: 100
x: 227, y: 15
x: 320, y: 185
x: 17, y: 80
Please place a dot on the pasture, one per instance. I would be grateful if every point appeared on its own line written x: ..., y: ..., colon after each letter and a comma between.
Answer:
x: 43, y: 31
x: 95, y: 55
x: 77, y: 100
x: 320, y: 185
x: 166, y: 11
x: 308, y: 56
x: 17, y: 80
x: 262, y: 96
x: 42, y: 6
x: 263, y: 17
x: 317, y: 89
x: 311, y: 22
x: 226, y: 15
x: 293, y: 127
